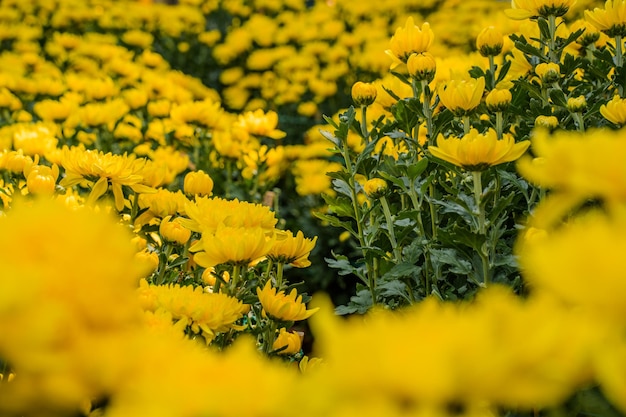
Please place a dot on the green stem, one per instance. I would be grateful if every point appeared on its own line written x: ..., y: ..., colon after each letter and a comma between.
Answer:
x: 134, y: 210
x: 234, y: 279
x: 552, y: 42
x: 482, y: 229
x: 619, y: 61
x: 357, y: 218
x: 499, y: 124
x: 580, y: 124
x: 270, y: 335
x: 163, y: 267
x: 433, y: 211
x: 492, y: 72
x: 364, y: 131
x: 466, y: 125
x: 390, y: 228
x: 279, y: 274
x: 427, y: 111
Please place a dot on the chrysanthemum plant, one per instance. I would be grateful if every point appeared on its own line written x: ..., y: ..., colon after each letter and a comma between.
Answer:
x: 439, y: 215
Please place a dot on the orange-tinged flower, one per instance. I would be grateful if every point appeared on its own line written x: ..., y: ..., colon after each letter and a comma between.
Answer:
x: 238, y: 245
x: 290, y: 249
x: 408, y: 40
x: 284, y: 307
x: 476, y: 151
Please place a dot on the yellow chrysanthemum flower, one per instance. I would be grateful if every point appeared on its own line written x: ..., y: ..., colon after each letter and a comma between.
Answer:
x: 576, y: 167
x: 290, y: 249
x: 205, y: 313
x: 610, y: 20
x: 525, y: 9
x: 615, y: 110
x: 289, y: 342
x: 103, y: 171
x: 284, y: 307
x: 408, y: 40
x: 206, y: 214
x: 461, y: 97
x: 238, y: 245
x: 476, y: 151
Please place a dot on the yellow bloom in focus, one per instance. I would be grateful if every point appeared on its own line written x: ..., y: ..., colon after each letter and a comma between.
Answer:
x: 547, y: 122
x: 410, y: 39
x: 375, y: 187
x: 198, y: 183
x: 102, y: 171
x: 41, y: 179
x: 289, y: 342
x: 548, y: 72
x: 526, y: 9
x: 610, y: 20
x: 205, y: 313
x: 477, y: 151
x: 461, y: 97
x: 363, y: 94
x: 290, y: 249
x: 284, y: 307
x: 577, y: 104
x: 489, y: 41
x: 615, y: 110
x: 498, y: 100
x: 207, y: 214
x: 238, y: 245
x: 422, y: 66
x: 174, y: 231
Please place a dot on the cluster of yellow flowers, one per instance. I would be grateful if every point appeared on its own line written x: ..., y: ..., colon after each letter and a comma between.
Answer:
x: 134, y: 283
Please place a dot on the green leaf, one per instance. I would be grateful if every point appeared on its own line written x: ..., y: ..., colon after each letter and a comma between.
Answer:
x: 393, y: 289
x: 415, y: 170
x: 402, y: 270
x: 558, y: 97
x: 406, y: 118
x: 450, y: 257
x: 335, y: 222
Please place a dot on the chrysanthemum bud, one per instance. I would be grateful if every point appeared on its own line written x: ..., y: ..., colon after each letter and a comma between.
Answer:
x: 549, y: 72
x: 173, y: 231
x: 576, y: 104
x: 290, y: 342
x: 549, y: 122
x: 422, y: 66
x: 375, y: 188
x: 363, y: 94
x: 498, y: 100
x: 198, y: 183
x: 490, y: 41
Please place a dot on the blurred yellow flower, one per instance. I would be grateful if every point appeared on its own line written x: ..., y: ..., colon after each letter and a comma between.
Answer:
x: 375, y: 187
x: 526, y: 9
x: 259, y: 123
x: 283, y: 307
x: 461, y: 97
x: 478, y: 152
